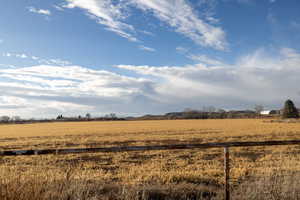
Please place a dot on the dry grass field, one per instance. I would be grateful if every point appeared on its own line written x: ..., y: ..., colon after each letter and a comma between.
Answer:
x: 257, y: 172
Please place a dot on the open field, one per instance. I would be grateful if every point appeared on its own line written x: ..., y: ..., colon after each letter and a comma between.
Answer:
x: 257, y: 172
x: 90, y: 134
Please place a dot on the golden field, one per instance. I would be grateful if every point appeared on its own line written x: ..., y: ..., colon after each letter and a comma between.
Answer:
x: 87, y: 134
x: 256, y: 173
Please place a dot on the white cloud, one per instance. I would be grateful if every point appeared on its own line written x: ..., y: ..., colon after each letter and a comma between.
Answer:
x: 254, y: 78
x: 77, y: 88
x: 21, y: 55
x: 208, y: 8
x: 39, y: 11
x: 205, y: 59
x: 17, y: 106
x: 178, y: 14
x: 16, y: 55
x: 289, y: 53
x: 6, y: 55
x: 59, y: 8
x: 1, y: 41
x: 183, y: 50
x: 7, y: 66
x: 108, y: 14
x: 46, y: 90
x: 38, y: 59
x: 148, y: 33
x: 12, y: 102
x: 53, y: 61
x: 146, y: 48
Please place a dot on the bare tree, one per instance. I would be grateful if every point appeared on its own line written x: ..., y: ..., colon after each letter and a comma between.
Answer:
x: 88, y: 115
x: 220, y: 110
x: 16, y: 118
x: 211, y: 109
x: 258, y: 108
x: 4, y: 118
x: 111, y: 116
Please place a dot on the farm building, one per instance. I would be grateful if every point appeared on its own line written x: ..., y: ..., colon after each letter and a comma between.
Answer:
x: 270, y: 112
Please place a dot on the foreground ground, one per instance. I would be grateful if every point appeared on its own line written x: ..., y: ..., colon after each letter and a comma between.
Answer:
x: 257, y: 173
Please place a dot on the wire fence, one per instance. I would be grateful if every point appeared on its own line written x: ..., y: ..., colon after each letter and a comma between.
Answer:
x: 252, y: 170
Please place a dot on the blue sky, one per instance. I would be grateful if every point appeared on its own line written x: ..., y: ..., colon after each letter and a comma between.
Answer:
x: 134, y: 57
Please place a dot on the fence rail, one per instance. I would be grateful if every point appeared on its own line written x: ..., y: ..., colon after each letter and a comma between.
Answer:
x: 224, y: 145
x: 145, y: 148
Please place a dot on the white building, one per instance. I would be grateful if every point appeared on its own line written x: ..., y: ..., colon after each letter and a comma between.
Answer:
x: 269, y: 112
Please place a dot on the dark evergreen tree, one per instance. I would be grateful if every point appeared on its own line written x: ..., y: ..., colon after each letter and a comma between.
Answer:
x: 289, y: 110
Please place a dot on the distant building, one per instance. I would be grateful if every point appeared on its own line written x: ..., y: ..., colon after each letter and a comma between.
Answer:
x: 270, y: 112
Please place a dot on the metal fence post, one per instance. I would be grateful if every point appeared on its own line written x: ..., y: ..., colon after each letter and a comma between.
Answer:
x: 226, y: 173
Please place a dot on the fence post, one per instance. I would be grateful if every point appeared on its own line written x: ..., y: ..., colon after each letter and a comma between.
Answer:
x: 226, y: 173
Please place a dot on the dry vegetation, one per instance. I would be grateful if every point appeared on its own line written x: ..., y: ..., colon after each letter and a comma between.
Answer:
x: 257, y: 173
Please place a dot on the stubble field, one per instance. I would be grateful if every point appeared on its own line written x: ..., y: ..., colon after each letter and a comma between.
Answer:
x: 256, y: 172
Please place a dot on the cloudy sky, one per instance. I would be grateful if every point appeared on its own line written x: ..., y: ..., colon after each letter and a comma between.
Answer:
x: 133, y: 57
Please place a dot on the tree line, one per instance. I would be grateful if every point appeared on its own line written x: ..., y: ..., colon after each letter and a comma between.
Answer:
x: 209, y: 112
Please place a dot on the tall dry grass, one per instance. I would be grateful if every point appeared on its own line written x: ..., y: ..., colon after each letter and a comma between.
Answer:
x: 256, y: 172
x: 71, y: 187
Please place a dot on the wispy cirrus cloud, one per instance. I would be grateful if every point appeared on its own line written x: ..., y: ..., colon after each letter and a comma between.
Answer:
x: 208, y: 8
x: 142, y: 47
x: 39, y: 11
x: 182, y: 50
x: 58, y: 7
x: 37, y: 59
x: 147, y: 33
x: 205, y: 59
x: 107, y: 13
x: 17, y: 55
x: 178, y: 14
